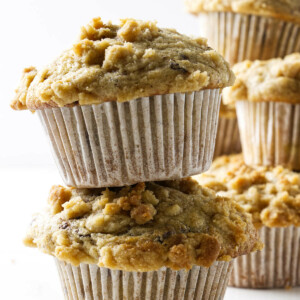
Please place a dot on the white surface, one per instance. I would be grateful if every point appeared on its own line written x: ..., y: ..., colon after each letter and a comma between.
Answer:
x: 27, y: 273
x: 32, y: 33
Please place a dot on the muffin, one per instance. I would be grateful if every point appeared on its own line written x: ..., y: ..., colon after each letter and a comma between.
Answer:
x: 228, y: 136
x: 272, y: 196
x: 267, y: 98
x: 159, y: 239
x: 128, y: 103
x: 252, y: 29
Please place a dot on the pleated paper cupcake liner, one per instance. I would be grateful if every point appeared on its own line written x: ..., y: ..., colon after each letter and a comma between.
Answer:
x: 228, y: 137
x: 90, y: 282
x: 162, y: 137
x: 276, y: 266
x: 239, y: 36
x: 270, y: 133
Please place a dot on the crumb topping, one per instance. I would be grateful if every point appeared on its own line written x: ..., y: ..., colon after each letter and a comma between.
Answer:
x: 19, y: 101
x: 275, y: 80
x: 124, y: 62
x: 270, y: 194
x: 143, y: 227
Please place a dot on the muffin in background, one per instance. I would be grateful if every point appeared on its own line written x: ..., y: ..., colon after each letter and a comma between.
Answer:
x: 128, y: 103
x: 228, y: 137
x: 168, y: 239
x: 272, y: 196
x: 254, y: 29
x: 267, y: 99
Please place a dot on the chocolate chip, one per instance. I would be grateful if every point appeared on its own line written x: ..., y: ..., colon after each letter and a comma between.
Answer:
x: 183, y: 56
x: 167, y: 234
x: 177, y: 67
x: 64, y: 225
x: 84, y: 235
x: 159, y: 239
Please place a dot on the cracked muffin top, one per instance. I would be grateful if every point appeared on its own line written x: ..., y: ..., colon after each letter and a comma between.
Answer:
x: 270, y: 194
x: 144, y: 227
x: 276, y: 80
x: 288, y: 10
x: 120, y: 63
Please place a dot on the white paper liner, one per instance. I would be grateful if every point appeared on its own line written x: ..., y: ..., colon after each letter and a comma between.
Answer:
x: 270, y: 133
x: 239, y: 36
x: 90, y: 282
x: 276, y: 266
x: 115, y: 144
x: 228, y: 137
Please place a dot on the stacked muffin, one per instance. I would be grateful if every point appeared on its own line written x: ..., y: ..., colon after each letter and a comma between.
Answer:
x: 267, y: 96
x: 246, y: 30
x: 272, y: 196
x: 128, y: 107
x: 266, y: 93
x: 252, y: 29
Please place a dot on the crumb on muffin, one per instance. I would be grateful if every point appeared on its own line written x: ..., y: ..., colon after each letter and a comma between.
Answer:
x: 143, y: 227
x: 123, y: 62
x: 270, y: 194
x: 273, y: 80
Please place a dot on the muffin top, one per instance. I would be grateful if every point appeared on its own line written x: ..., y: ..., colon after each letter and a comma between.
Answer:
x: 270, y: 194
x: 276, y: 80
x: 144, y: 227
x: 288, y: 10
x: 120, y: 63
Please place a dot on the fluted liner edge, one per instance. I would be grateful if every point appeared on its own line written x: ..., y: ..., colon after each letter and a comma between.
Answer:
x: 276, y: 266
x: 115, y: 144
x: 270, y: 133
x: 90, y: 282
x: 241, y: 36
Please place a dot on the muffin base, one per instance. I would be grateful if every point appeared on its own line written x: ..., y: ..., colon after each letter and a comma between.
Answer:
x: 115, y: 144
x: 270, y: 133
x: 95, y: 283
x: 228, y: 137
x: 276, y: 266
x: 239, y: 36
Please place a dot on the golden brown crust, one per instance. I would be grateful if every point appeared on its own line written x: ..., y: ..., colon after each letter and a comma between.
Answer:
x: 120, y: 63
x: 57, y: 197
x: 287, y: 10
x: 270, y: 194
x: 276, y: 80
x: 144, y: 227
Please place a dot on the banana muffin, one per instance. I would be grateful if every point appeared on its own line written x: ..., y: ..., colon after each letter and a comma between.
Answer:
x: 128, y: 103
x: 272, y: 196
x: 267, y: 99
x: 251, y: 29
x: 149, y: 227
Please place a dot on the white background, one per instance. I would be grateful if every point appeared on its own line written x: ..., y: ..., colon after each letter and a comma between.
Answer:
x: 33, y: 32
